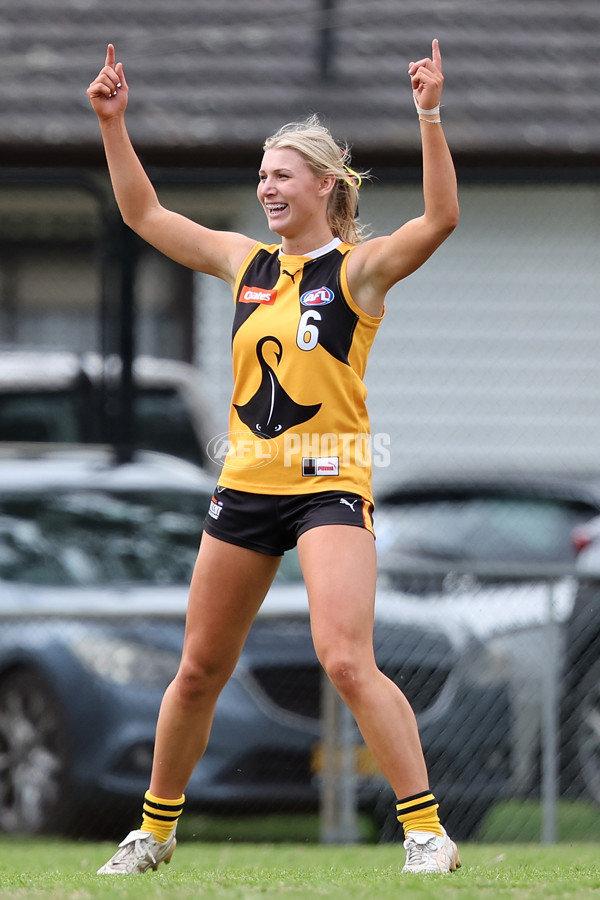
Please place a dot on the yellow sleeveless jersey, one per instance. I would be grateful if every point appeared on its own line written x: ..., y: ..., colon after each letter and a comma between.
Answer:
x: 298, y: 422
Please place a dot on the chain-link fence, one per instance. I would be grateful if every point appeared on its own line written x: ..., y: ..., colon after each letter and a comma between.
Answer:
x: 486, y: 359
x: 517, y: 756
x: 503, y: 676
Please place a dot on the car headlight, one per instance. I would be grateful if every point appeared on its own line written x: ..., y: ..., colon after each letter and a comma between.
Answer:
x: 124, y: 662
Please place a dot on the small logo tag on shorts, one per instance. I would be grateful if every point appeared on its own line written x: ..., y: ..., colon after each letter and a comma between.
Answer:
x: 320, y: 465
x: 215, y: 508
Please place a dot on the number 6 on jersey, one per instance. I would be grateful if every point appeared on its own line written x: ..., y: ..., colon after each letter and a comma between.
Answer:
x: 307, y: 336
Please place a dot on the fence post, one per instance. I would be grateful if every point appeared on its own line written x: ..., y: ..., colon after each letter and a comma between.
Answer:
x: 550, y: 721
x: 338, y: 789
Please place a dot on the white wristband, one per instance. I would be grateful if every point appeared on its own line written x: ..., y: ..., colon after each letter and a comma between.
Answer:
x: 427, y: 112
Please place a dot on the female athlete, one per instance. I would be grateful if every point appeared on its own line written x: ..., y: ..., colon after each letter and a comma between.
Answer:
x: 296, y: 474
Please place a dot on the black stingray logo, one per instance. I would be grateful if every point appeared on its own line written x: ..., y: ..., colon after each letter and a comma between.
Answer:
x: 271, y: 411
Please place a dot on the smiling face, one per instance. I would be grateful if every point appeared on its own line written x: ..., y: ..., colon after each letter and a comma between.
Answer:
x: 293, y: 197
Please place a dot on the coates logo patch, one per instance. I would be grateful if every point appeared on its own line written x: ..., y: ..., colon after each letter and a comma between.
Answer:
x: 257, y: 295
x: 319, y: 297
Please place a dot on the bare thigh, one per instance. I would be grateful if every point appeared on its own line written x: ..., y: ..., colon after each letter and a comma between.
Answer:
x: 339, y: 568
x: 228, y: 586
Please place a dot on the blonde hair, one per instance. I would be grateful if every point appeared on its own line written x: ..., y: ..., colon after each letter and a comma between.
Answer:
x: 324, y: 156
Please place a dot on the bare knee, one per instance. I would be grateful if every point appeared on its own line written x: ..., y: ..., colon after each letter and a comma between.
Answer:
x: 348, y: 675
x: 197, y: 683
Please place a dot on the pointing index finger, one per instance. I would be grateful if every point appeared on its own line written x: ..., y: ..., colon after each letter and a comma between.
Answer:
x: 435, y: 53
x: 110, y: 56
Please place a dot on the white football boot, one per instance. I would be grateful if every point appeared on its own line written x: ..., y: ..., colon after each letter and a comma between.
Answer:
x: 138, y: 853
x: 429, y: 854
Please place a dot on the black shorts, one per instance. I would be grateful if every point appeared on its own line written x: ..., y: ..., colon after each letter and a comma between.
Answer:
x: 272, y: 523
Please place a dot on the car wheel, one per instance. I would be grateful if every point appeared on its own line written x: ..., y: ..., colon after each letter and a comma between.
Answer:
x: 587, y: 731
x: 33, y: 758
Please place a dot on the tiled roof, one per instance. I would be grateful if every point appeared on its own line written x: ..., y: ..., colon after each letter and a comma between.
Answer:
x: 213, y: 78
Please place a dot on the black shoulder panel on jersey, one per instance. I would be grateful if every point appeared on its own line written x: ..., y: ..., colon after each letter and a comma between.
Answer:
x: 262, y: 272
x: 321, y: 291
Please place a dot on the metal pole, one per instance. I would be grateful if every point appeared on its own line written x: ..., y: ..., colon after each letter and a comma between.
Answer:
x: 126, y: 428
x: 550, y: 722
x: 326, y: 42
x: 338, y: 799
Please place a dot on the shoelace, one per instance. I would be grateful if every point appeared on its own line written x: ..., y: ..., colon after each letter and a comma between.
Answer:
x: 418, y: 853
x: 134, y: 847
x: 148, y: 852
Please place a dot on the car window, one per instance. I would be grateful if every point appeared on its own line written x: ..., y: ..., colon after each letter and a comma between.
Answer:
x: 162, y: 421
x: 43, y: 416
x: 495, y: 529
x: 100, y: 538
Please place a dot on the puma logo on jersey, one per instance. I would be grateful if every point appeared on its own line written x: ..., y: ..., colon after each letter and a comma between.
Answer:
x: 291, y: 275
x: 257, y: 295
x: 349, y: 503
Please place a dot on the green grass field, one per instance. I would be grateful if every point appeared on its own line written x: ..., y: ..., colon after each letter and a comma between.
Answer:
x: 36, y: 868
x: 246, y: 858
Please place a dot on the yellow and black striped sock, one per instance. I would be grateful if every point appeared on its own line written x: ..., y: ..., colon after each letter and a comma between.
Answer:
x: 160, y: 816
x: 419, y: 813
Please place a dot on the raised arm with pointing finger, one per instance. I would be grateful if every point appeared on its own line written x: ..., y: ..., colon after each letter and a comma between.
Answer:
x: 187, y: 242
x: 382, y: 262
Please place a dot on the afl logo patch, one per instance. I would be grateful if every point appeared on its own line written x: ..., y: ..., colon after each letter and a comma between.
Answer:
x: 319, y: 297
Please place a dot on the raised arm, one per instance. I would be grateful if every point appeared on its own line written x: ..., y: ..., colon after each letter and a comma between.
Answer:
x: 379, y: 263
x: 217, y: 253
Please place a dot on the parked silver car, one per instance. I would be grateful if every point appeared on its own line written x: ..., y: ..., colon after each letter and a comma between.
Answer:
x: 500, y: 552
x: 580, y: 744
